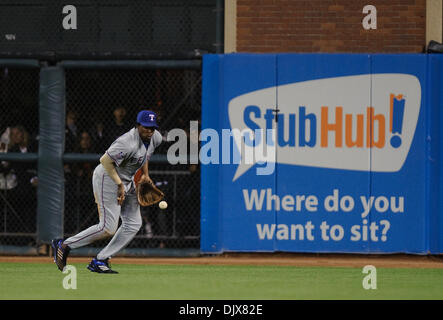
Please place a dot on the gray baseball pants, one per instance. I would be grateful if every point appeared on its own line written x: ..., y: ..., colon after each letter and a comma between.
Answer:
x: 105, y: 193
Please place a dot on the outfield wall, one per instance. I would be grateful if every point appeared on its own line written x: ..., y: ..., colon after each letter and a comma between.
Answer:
x: 352, y: 164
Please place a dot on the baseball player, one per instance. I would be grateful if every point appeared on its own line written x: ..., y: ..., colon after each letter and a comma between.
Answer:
x: 114, y: 192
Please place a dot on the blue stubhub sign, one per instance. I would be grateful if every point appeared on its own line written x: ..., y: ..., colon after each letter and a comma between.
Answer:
x: 316, y: 153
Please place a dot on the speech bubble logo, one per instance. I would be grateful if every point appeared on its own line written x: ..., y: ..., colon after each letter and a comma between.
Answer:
x: 337, y: 123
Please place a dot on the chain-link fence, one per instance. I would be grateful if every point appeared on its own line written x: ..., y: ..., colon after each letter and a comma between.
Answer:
x: 105, y: 102
x: 102, y: 104
x: 19, y: 124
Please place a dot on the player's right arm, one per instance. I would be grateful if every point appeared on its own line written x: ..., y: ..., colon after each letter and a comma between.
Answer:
x: 109, y: 166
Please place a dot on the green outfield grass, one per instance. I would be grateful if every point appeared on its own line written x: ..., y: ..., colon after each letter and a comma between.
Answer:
x: 189, y: 282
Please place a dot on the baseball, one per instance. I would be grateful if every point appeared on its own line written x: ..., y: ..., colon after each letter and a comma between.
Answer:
x: 163, y: 205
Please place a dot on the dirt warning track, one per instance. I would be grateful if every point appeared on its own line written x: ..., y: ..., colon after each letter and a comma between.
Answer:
x: 271, y: 259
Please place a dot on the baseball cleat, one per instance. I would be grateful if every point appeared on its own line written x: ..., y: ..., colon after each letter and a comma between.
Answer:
x: 60, y: 254
x: 100, y: 266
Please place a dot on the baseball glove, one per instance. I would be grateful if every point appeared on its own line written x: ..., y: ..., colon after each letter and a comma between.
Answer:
x: 148, y: 194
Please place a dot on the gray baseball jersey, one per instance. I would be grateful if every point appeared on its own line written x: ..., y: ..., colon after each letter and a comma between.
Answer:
x: 129, y: 153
